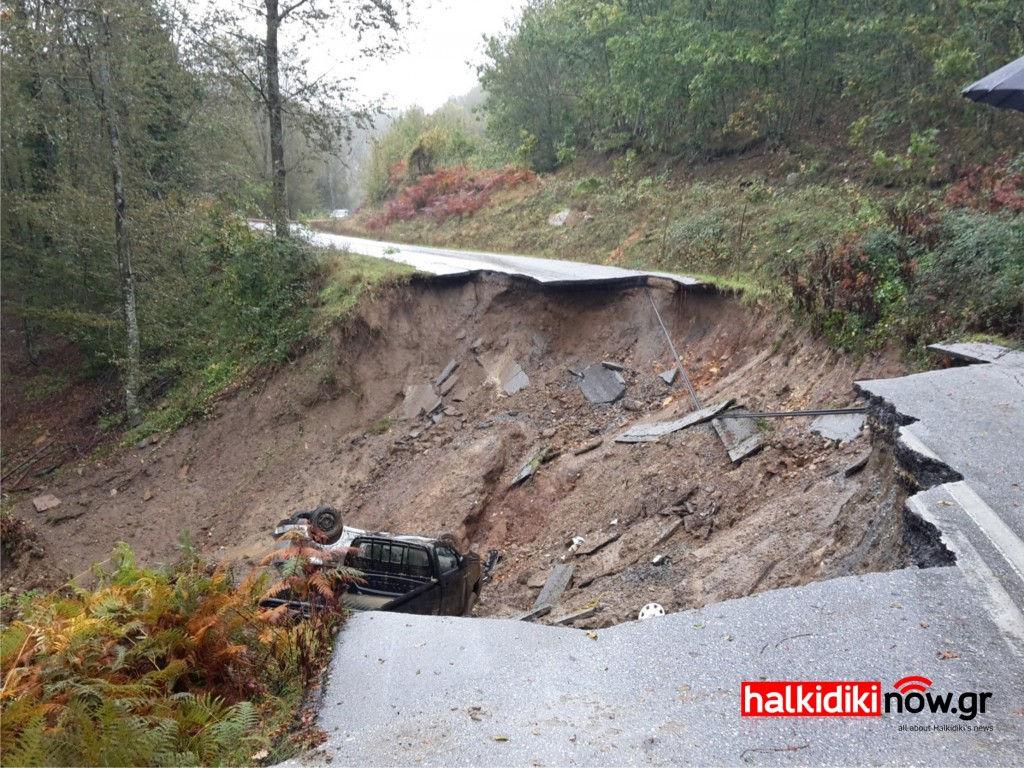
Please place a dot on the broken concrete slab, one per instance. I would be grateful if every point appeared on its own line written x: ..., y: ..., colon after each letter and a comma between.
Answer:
x: 556, y: 584
x: 512, y: 378
x: 669, y: 376
x: 971, y: 352
x: 741, y: 437
x: 535, y: 613
x: 669, y: 532
x: 601, y: 543
x: 600, y: 384
x: 448, y: 371
x: 449, y: 385
x: 569, y: 618
x: 648, y: 433
x: 841, y: 427
x: 531, y: 466
x: 420, y: 399
x: 45, y: 502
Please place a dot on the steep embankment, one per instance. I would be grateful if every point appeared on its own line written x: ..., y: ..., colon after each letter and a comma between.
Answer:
x: 331, y: 428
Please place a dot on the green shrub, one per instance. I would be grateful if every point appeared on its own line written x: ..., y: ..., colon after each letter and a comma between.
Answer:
x: 973, y: 280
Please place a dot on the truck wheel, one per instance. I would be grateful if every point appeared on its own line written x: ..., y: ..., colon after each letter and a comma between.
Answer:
x: 328, y: 520
x: 470, y: 604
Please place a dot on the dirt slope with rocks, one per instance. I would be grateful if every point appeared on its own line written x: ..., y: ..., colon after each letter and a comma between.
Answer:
x: 332, y: 429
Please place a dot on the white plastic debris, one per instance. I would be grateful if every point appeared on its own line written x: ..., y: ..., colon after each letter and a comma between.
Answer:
x: 577, y: 542
x: 651, y: 610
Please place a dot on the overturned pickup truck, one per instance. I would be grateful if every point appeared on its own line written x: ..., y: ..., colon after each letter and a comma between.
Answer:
x: 408, y: 574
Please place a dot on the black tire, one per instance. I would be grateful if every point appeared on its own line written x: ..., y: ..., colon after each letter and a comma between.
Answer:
x: 328, y: 520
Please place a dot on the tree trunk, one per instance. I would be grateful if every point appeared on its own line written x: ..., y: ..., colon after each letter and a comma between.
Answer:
x: 278, y: 199
x: 133, y: 364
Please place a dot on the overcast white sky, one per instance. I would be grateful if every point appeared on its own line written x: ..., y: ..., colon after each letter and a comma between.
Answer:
x: 442, y: 49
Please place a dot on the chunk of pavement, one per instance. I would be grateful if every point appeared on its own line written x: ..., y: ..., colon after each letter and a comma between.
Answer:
x: 858, y: 465
x: 569, y: 618
x: 535, y: 613
x: 670, y: 375
x: 45, y: 501
x: 970, y: 352
x: 420, y: 399
x: 449, y: 385
x: 647, y: 433
x: 601, y: 543
x: 670, y: 531
x: 602, y: 385
x: 740, y: 437
x: 448, y: 371
x: 530, y: 467
x: 839, y: 426
x: 511, y: 377
x: 556, y: 584
x: 611, y: 365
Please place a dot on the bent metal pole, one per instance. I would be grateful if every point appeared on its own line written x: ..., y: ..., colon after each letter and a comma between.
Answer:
x: 679, y: 362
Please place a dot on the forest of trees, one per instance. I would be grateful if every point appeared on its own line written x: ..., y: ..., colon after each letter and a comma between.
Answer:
x: 706, y: 77
x: 135, y: 137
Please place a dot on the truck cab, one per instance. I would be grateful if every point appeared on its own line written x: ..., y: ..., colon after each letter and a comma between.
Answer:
x: 412, y: 574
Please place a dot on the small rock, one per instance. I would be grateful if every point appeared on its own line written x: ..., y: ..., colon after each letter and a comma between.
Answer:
x: 632, y: 405
x: 588, y: 446
x: 460, y: 335
x: 659, y: 560
x: 113, y: 491
x: 613, y: 366
x: 559, y: 218
x: 669, y: 376
x: 548, y: 433
x: 147, y: 495
x: 477, y: 344
x: 45, y: 502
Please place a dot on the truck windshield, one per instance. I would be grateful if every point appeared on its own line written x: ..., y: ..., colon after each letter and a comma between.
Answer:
x: 390, y: 557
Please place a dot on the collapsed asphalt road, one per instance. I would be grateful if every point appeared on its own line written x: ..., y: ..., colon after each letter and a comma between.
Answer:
x: 450, y: 261
x: 428, y: 691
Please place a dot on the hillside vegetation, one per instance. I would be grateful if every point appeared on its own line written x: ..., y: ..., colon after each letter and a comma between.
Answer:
x: 816, y: 152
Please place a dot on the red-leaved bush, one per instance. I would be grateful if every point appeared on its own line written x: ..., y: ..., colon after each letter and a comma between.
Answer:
x: 450, y: 192
x: 994, y: 187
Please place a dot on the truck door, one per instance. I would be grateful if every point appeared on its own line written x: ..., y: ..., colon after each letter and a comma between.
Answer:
x: 451, y: 581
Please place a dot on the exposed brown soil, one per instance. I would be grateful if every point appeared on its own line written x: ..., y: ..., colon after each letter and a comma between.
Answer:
x: 48, y: 410
x: 327, y: 430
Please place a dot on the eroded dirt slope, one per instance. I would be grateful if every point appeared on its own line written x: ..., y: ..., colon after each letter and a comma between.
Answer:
x: 329, y: 430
